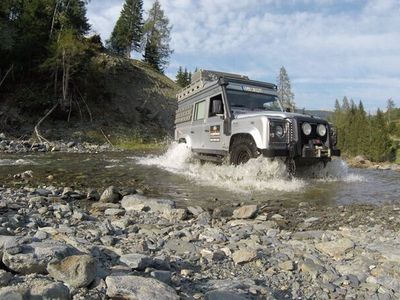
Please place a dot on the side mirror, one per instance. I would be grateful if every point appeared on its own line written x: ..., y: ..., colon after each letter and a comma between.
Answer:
x: 217, y: 107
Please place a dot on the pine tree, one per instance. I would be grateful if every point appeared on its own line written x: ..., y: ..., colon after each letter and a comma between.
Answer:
x: 381, y: 144
x: 157, y: 38
x: 285, y: 93
x: 128, y: 31
x: 180, y: 78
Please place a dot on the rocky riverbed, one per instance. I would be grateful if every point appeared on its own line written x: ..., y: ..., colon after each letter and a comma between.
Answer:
x: 61, y: 243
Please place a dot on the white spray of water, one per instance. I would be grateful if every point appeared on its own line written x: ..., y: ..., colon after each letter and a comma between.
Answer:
x: 336, y: 170
x: 259, y: 174
x: 256, y: 175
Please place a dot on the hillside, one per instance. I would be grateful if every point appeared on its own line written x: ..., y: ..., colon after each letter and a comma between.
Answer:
x: 127, y: 99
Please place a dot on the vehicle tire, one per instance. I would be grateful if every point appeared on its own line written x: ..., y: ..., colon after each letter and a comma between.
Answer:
x: 242, y: 150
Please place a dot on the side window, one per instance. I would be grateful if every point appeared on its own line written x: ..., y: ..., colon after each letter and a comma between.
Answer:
x: 200, y: 110
x: 216, y: 106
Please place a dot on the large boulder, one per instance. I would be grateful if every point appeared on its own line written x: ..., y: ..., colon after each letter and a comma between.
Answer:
x: 34, y: 257
x: 77, y: 270
x: 140, y: 203
x: 136, y: 287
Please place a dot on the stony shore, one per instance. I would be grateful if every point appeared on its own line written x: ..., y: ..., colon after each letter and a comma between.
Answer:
x: 60, y: 243
x: 11, y: 146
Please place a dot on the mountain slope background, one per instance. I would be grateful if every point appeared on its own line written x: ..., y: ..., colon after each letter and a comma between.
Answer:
x: 127, y: 99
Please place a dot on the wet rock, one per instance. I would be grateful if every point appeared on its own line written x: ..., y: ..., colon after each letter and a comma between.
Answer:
x: 77, y: 270
x: 139, y: 203
x: 337, y: 248
x: 135, y: 287
x: 245, y: 212
x: 244, y: 256
x: 34, y: 257
x: 71, y: 144
x: 136, y: 261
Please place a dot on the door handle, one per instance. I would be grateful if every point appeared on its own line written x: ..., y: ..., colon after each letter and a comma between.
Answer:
x: 192, y: 132
x: 206, y: 130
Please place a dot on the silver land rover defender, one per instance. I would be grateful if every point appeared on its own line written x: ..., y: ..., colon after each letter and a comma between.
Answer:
x: 228, y: 117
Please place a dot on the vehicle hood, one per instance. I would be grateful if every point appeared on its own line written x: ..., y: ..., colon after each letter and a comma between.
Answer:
x: 279, y: 114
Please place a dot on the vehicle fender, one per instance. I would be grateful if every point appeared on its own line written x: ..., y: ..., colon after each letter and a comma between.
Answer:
x: 257, y: 129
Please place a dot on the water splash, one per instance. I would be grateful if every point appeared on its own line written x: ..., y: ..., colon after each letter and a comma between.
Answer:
x: 335, y: 170
x: 256, y: 175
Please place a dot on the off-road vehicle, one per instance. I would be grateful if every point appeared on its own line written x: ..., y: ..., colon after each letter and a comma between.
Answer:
x: 223, y: 116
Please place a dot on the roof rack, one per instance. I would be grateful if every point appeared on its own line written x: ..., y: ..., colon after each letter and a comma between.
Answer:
x: 201, y: 77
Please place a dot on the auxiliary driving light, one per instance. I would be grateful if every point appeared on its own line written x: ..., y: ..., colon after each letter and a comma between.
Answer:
x: 321, y: 130
x: 306, y: 128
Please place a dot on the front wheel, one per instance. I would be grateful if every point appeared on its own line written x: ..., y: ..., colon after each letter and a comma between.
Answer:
x: 242, y: 150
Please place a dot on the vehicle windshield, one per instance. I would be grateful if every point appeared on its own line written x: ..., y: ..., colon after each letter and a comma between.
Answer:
x: 252, y: 101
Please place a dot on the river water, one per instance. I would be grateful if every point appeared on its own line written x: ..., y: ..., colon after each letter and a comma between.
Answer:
x: 177, y: 176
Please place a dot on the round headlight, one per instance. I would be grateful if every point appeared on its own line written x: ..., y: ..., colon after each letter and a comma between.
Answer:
x: 306, y: 128
x: 279, y: 131
x: 321, y: 130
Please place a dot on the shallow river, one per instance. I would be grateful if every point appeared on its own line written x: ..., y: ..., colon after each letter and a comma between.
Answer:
x: 176, y: 175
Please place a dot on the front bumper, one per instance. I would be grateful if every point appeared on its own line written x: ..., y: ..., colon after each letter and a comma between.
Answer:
x: 316, y: 152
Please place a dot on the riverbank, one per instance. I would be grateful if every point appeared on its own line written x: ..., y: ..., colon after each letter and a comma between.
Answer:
x: 363, y: 163
x: 65, y: 243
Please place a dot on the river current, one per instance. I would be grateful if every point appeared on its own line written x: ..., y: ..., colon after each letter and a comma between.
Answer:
x: 176, y: 175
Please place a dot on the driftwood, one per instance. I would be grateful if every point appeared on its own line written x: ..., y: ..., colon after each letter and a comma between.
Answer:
x: 5, y: 76
x: 37, y: 132
x: 105, y: 136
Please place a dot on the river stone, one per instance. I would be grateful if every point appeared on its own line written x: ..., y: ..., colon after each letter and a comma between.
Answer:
x: 5, y: 278
x: 136, y: 261
x: 110, y: 195
x: 245, y: 212
x: 180, y: 247
x: 222, y: 295
x: 77, y: 270
x: 164, y: 276
x: 53, y: 290
x: 93, y: 194
x: 244, y: 255
x: 138, y: 203
x: 34, y: 257
x: 14, y: 293
x: 336, y: 249
x: 136, y: 287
